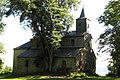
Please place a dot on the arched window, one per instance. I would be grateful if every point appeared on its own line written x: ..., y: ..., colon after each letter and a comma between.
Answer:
x: 79, y: 24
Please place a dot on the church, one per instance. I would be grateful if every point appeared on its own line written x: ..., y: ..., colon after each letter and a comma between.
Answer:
x: 75, y: 53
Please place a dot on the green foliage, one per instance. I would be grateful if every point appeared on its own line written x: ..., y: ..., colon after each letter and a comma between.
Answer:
x: 76, y: 75
x: 111, y: 37
x: 3, y: 5
x: 46, y: 18
x: 111, y: 15
x: 1, y: 64
x: 2, y: 49
x: 6, y: 70
x: 2, y: 12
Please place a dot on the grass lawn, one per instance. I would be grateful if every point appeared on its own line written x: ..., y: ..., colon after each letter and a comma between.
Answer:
x: 39, y: 77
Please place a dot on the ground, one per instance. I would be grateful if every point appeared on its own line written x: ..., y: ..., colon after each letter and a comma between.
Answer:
x: 47, y: 77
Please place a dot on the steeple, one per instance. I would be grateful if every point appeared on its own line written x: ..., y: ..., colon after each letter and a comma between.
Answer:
x: 82, y: 13
x: 82, y: 23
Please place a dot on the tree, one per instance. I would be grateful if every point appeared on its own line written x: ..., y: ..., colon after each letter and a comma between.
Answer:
x: 111, y: 36
x: 2, y: 12
x: 47, y: 19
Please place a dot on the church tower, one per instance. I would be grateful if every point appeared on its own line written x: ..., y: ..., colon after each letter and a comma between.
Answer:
x: 82, y: 23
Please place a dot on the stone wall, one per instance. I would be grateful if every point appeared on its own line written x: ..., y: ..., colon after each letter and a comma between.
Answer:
x: 73, y: 41
x: 28, y: 66
x: 58, y: 64
x: 15, y: 59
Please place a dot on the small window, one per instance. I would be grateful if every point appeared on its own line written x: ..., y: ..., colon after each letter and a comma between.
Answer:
x: 79, y: 24
x: 72, y: 42
x: 88, y: 26
x: 26, y: 63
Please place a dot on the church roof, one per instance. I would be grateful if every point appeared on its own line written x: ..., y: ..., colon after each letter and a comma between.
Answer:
x: 24, y: 46
x: 61, y: 52
x: 72, y: 34
x: 30, y: 53
x: 82, y: 15
x: 67, y: 52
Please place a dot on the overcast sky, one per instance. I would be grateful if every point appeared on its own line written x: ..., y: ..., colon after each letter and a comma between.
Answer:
x: 15, y: 35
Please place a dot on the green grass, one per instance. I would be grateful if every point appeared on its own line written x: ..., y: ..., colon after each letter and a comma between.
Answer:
x: 39, y: 77
x: 28, y: 77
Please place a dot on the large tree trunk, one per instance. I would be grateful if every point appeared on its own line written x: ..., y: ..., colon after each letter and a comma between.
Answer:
x: 44, y: 47
x: 50, y: 61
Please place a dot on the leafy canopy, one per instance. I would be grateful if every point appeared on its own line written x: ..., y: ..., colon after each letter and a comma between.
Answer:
x: 3, y: 6
x: 46, y: 18
x: 2, y: 12
x: 2, y: 25
x: 111, y: 36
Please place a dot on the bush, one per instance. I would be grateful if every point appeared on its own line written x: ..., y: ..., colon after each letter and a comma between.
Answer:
x: 6, y: 70
x: 77, y: 75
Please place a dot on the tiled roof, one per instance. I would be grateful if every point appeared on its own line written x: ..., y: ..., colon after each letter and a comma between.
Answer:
x: 61, y: 52
x: 82, y: 13
x: 24, y: 46
x: 66, y: 52
x: 30, y: 53
x: 72, y: 34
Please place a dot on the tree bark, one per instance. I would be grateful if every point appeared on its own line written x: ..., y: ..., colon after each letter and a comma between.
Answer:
x: 50, y: 61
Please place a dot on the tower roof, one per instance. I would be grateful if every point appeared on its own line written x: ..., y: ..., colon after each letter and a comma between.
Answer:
x: 82, y: 13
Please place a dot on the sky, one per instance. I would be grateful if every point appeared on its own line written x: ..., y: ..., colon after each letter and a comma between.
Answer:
x: 15, y: 35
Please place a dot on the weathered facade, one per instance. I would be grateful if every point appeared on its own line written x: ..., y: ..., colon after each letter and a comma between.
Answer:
x: 75, y: 53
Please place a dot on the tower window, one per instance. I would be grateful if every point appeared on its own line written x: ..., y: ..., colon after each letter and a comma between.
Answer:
x: 72, y: 42
x: 88, y: 25
x: 79, y: 24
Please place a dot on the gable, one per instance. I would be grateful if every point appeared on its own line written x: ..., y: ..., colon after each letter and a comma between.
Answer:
x: 24, y: 46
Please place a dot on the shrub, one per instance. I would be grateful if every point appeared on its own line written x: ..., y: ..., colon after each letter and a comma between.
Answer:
x: 6, y: 70
x: 77, y: 75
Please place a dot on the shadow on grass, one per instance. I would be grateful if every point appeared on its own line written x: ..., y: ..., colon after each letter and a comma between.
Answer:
x: 88, y: 78
x: 9, y: 76
x: 49, y: 79
x: 75, y: 79
x: 30, y: 77
x: 98, y: 78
